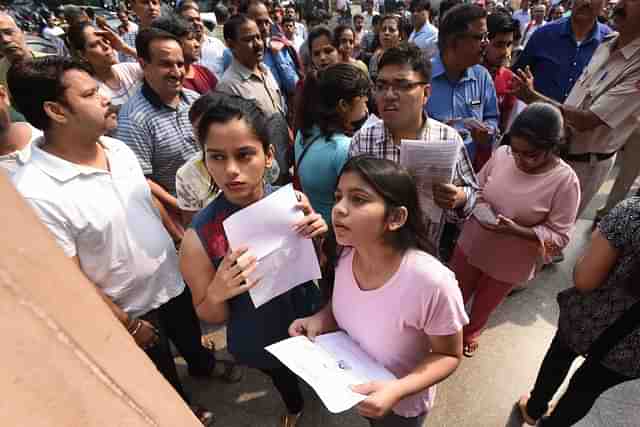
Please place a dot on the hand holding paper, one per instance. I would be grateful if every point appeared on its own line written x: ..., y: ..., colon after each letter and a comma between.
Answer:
x: 285, y: 259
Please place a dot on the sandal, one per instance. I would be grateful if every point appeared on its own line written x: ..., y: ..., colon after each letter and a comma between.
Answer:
x: 231, y: 373
x: 290, y: 420
x: 522, y: 405
x: 203, y: 415
x: 469, y: 349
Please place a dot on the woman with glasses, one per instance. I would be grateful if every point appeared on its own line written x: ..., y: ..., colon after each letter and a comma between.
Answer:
x: 525, y: 214
x: 389, y: 36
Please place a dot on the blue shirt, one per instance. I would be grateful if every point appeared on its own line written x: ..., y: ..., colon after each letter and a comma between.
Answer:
x: 281, y: 65
x: 555, y: 58
x: 426, y: 38
x: 471, y: 97
x: 320, y: 167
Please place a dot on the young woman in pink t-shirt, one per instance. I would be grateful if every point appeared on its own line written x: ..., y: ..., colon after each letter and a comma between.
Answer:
x: 529, y: 204
x: 400, y: 304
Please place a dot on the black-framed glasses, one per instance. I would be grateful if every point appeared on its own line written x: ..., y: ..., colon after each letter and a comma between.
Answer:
x: 398, y: 86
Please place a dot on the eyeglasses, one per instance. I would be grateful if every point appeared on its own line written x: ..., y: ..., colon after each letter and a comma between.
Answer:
x: 481, y: 37
x: 398, y: 86
x: 530, y: 155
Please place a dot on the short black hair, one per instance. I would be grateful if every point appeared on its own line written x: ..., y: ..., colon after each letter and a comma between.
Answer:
x: 446, y: 6
x: 232, y: 26
x: 407, y: 54
x: 317, y: 32
x: 418, y: 5
x: 174, y: 24
x: 500, y: 23
x: 188, y: 5
x: 456, y: 22
x: 222, y: 108
x: 90, y: 13
x: 375, y: 20
x: 147, y: 36
x: 287, y: 19
x: 34, y: 82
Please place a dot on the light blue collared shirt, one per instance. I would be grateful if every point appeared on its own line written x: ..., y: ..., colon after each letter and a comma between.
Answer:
x: 426, y: 38
x: 473, y: 96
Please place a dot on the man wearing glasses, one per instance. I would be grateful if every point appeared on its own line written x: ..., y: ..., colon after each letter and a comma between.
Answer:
x: 402, y: 88
x: 463, y: 94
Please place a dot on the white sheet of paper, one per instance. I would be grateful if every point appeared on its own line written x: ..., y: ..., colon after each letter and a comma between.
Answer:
x: 485, y: 214
x: 285, y: 259
x: 429, y: 163
x: 330, y: 365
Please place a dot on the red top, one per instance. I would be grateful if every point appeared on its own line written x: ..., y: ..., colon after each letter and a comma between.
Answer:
x: 506, y: 101
x: 202, y: 81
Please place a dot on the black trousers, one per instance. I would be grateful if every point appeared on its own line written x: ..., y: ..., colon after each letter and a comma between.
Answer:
x: 587, y: 383
x: 176, y: 320
x: 286, y: 382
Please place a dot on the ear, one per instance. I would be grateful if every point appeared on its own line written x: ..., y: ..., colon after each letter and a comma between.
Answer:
x: 427, y: 91
x: 55, y: 111
x: 142, y: 62
x: 343, y: 106
x: 397, y: 218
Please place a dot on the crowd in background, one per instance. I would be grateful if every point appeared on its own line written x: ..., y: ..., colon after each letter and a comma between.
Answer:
x: 134, y: 142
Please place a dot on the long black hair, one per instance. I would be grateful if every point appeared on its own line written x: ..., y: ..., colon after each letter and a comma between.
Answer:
x: 398, y: 189
x: 322, y: 93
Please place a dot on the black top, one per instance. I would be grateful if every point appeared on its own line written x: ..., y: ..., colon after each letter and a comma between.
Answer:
x: 249, y: 329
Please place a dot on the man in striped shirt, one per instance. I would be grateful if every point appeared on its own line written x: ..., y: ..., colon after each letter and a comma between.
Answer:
x: 154, y: 122
x: 401, y: 90
x: 146, y: 11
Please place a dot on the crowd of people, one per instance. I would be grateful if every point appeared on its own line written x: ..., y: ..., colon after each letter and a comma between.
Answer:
x: 133, y: 145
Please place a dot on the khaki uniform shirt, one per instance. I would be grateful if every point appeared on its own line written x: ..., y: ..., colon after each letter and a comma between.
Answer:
x: 241, y: 81
x: 610, y: 88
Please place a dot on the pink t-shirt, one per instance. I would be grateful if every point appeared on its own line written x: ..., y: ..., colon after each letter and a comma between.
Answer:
x: 548, y: 202
x: 391, y: 323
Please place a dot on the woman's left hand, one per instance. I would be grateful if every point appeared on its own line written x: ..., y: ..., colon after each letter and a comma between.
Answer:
x: 312, y: 225
x: 381, y: 398
x: 504, y: 225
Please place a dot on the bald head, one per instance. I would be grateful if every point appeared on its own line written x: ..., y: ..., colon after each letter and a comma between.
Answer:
x: 12, y: 44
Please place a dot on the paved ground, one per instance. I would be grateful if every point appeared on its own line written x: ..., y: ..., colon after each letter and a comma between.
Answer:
x: 482, y: 391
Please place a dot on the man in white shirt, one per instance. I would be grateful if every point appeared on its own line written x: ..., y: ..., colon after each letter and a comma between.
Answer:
x: 522, y: 15
x: 89, y: 190
x: 212, y: 49
x: 15, y: 138
x: 538, y: 13
x: 300, y: 30
x: 424, y: 35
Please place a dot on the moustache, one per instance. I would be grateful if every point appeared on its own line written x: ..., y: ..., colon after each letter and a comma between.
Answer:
x: 112, y: 109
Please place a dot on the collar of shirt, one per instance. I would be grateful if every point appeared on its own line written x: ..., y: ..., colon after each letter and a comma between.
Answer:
x: 63, y: 170
x: 154, y: 99
x: 244, y: 72
x: 388, y: 138
x: 596, y: 35
x: 427, y: 29
x: 629, y: 50
x: 438, y: 69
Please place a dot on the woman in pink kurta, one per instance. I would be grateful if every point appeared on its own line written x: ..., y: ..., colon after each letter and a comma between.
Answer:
x: 526, y: 212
